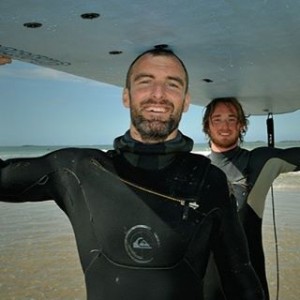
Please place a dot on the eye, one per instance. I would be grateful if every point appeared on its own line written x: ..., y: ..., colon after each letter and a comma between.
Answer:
x: 143, y: 81
x: 173, y: 85
x: 233, y: 120
x: 216, y: 120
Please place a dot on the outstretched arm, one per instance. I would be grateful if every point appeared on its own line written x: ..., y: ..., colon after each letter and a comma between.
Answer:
x: 280, y: 160
x: 266, y: 164
x: 290, y: 156
x: 25, y: 179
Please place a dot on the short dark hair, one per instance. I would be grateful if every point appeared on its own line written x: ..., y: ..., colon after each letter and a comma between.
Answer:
x: 210, y: 108
x: 157, y: 52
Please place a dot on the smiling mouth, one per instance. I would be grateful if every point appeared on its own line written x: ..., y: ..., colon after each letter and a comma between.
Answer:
x: 225, y: 134
x: 156, y: 109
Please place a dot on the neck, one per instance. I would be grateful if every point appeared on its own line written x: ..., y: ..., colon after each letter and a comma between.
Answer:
x: 220, y: 149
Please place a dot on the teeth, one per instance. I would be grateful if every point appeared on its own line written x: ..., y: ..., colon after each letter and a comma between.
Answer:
x: 156, y: 109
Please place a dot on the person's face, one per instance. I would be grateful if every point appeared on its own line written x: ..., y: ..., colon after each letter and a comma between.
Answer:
x: 224, y: 127
x: 156, y: 98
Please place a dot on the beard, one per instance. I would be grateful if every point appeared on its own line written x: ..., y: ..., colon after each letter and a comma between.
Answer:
x: 224, y: 142
x: 155, y: 129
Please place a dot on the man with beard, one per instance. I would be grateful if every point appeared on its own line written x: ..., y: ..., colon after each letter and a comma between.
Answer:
x: 147, y: 214
x: 250, y: 173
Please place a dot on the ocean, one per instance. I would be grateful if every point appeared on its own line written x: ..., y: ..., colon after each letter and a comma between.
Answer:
x: 34, y: 150
x: 38, y: 255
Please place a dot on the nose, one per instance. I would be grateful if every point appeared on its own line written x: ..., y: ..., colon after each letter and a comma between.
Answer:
x: 225, y: 125
x: 225, y: 122
x: 158, y: 91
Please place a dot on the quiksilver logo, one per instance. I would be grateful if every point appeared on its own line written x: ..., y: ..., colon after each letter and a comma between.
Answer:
x: 141, y: 243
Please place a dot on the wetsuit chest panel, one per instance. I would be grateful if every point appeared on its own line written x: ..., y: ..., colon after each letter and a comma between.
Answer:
x: 235, y: 164
x: 135, y: 226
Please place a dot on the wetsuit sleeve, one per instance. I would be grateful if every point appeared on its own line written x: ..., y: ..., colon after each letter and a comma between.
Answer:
x: 292, y: 156
x: 25, y: 179
x: 286, y: 160
x: 230, y: 250
x: 264, y: 166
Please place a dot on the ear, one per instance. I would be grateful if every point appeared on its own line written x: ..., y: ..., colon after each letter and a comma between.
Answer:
x: 187, y: 102
x: 126, y: 98
x: 242, y: 129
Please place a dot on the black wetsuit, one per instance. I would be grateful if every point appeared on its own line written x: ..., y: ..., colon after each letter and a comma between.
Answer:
x: 143, y: 219
x: 251, y: 174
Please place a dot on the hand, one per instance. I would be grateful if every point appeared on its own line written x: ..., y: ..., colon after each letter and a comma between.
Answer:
x: 5, y: 60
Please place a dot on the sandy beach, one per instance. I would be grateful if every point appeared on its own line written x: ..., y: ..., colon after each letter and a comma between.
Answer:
x: 39, y: 260
x: 287, y: 211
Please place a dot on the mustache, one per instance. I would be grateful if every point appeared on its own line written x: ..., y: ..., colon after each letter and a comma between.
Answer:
x: 151, y: 101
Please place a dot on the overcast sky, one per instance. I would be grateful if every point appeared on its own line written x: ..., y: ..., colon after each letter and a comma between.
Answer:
x: 41, y: 106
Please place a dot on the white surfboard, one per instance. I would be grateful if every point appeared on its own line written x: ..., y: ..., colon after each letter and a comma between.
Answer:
x: 246, y: 49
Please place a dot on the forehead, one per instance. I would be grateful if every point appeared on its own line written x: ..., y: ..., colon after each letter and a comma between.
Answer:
x: 224, y: 108
x: 158, y: 63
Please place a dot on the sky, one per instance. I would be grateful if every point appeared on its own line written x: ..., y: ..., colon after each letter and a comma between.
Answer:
x: 40, y: 106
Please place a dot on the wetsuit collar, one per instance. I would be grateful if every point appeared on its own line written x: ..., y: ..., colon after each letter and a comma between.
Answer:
x: 152, y: 156
x: 221, y: 157
x: 180, y: 143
